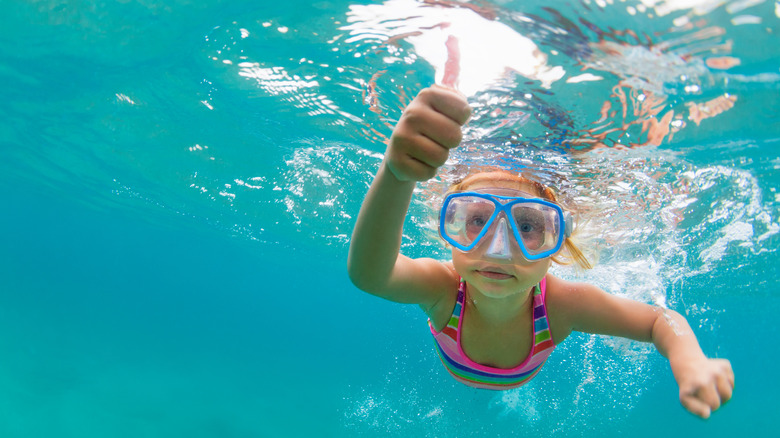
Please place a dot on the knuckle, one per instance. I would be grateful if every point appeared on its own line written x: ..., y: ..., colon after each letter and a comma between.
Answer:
x: 412, y: 119
x: 463, y: 114
x: 457, y: 137
x: 439, y: 161
x: 422, y: 172
x: 440, y: 158
x: 429, y: 173
x: 467, y: 112
x: 432, y: 155
x: 401, y: 138
x: 426, y: 93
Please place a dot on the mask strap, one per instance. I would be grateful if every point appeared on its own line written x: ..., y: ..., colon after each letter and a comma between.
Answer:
x: 568, y: 224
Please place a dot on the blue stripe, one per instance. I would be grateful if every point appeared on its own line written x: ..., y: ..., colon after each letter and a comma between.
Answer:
x: 540, y: 324
x: 450, y: 363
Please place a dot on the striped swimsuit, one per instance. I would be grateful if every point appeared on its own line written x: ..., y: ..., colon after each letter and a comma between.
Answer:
x: 464, y: 370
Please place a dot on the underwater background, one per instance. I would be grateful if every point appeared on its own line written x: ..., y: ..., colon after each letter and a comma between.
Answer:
x: 179, y: 181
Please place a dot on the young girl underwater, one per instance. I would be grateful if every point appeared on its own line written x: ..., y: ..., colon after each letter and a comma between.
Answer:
x: 494, y: 311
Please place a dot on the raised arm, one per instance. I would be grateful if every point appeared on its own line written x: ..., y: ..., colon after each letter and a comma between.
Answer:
x: 429, y: 127
x: 704, y: 383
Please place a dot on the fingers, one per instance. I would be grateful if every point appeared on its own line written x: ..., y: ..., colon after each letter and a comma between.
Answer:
x: 696, y: 406
x: 429, y: 127
x: 421, y: 119
x: 725, y: 388
x: 726, y: 369
x: 447, y: 101
x: 415, y: 159
x: 701, y: 401
x: 725, y: 379
x: 707, y: 395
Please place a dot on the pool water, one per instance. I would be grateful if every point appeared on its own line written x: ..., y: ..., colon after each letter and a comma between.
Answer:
x: 180, y: 179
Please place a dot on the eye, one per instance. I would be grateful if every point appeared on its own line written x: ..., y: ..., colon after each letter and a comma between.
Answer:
x: 478, y: 215
x: 530, y: 223
x: 525, y: 227
x: 477, y: 221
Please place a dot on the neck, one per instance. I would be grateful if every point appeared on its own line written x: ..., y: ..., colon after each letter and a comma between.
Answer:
x: 498, y: 310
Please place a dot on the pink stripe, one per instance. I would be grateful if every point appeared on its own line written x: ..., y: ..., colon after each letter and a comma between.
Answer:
x: 451, y: 350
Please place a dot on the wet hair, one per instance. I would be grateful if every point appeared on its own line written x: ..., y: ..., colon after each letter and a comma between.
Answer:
x: 570, y: 253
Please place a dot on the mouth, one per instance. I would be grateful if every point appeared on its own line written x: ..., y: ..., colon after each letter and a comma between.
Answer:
x: 494, y: 273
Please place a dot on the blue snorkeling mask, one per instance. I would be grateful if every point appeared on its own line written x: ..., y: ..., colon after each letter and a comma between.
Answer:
x: 539, y: 227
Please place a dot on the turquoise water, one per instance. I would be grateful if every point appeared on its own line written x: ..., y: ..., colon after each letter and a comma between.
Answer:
x: 179, y: 181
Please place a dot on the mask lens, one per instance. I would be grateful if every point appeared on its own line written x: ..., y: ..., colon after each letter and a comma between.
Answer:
x: 466, y: 217
x: 537, y: 225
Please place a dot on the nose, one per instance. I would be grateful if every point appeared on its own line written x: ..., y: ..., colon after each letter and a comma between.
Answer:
x: 499, y: 245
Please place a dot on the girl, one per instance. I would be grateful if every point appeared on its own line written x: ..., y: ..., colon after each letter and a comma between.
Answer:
x: 495, y: 312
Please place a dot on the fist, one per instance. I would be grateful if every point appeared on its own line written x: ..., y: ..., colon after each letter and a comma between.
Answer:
x: 429, y: 127
x: 705, y: 385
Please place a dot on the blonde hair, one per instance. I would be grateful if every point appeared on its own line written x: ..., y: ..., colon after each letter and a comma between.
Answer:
x: 571, y: 253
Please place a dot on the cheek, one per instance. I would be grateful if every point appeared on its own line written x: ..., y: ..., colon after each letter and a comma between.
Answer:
x: 536, y: 268
x: 460, y: 260
x: 457, y: 258
x: 541, y: 269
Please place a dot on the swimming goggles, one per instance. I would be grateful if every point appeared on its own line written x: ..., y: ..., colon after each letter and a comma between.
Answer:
x: 539, y: 227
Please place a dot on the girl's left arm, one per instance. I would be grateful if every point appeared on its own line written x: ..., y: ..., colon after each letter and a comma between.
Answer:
x: 705, y: 384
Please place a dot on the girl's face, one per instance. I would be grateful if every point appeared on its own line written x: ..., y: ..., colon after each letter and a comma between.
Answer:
x: 499, y: 277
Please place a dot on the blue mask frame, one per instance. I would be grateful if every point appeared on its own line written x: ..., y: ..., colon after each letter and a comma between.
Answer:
x: 505, y: 207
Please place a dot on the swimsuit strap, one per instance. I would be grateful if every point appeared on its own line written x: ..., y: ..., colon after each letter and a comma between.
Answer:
x: 466, y: 371
x: 461, y: 292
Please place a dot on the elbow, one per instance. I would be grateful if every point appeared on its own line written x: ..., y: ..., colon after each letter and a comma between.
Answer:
x: 363, y: 278
x: 358, y: 276
x: 354, y: 275
x: 355, y: 271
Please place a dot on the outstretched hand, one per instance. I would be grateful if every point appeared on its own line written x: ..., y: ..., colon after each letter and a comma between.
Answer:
x: 704, y: 385
x: 429, y: 127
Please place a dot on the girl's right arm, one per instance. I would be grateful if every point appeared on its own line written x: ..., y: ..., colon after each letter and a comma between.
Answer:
x: 420, y: 144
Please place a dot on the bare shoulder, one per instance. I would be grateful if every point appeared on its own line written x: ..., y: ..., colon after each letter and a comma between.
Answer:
x: 565, y: 295
x: 423, y: 281
x: 441, y: 310
x: 564, y: 300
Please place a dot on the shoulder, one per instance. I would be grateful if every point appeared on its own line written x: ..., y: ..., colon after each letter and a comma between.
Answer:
x: 420, y: 281
x: 441, y: 310
x: 564, y: 294
x: 565, y: 301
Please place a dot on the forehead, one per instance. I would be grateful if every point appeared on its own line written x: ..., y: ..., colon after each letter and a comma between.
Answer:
x: 503, y: 182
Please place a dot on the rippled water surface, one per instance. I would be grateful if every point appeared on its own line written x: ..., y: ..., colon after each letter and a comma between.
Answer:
x: 179, y: 181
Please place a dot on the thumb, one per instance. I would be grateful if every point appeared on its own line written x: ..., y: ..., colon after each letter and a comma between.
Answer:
x: 452, y: 65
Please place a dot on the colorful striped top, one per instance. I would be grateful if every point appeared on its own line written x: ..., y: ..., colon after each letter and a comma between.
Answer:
x: 464, y: 370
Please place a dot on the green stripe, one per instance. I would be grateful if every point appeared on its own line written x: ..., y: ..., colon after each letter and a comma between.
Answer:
x: 542, y: 336
x: 453, y: 322
x: 491, y: 381
x: 488, y: 380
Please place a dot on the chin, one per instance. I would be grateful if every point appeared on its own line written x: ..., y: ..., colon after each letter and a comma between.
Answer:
x: 494, y: 288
